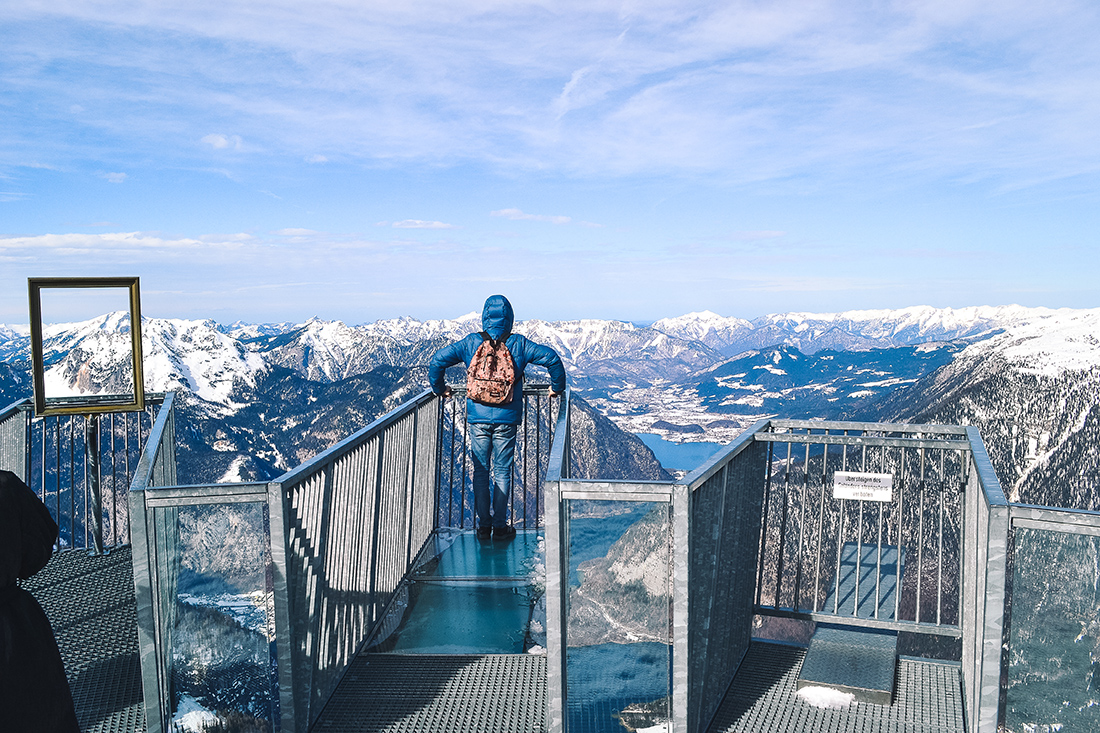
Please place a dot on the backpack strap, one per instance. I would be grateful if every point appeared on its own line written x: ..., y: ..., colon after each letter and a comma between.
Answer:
x: 486, y: 337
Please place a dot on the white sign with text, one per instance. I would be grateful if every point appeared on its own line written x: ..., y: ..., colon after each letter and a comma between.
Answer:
x: 863, y: 486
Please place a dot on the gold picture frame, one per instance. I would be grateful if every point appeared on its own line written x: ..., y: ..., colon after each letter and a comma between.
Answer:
x: 44, y: 405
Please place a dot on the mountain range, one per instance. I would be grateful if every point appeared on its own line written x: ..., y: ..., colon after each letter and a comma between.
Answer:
x: 260, y: 398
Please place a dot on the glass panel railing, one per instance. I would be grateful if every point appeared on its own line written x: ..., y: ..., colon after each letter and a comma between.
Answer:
x: 1054, y: 635
x: 217, y: 603
x: 618, y: 644
x: 468, y: 596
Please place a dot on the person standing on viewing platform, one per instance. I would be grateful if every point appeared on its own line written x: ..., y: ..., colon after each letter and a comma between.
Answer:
x: 34, y: 694
x: 495, y: 359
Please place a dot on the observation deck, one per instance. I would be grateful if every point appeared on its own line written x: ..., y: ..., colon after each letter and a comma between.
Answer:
x: 351, y: 594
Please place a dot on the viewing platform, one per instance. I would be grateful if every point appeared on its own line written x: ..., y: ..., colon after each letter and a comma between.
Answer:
x: 351, y: 594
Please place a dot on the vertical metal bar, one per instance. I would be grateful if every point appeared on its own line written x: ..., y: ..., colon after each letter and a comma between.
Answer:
x: 939, y: 554
x: 112, y: 514
x: 57, y: 466
x: 451, y: 468
x: 801, y: 529
x: 840, y: 533
x: 72, y: 486
x: 526, y: 413
x: 42, y: 468
x: 465, y: 457
x: 820, y: 525
x: 920, y: 534
x: 538, y: 450
x: 783, y: 525
x: 91, y: 447
x: 414, y: 429
x: 126, y: 443
x: 764, y: 525
x: 28, y: 442
x: 904, y: 484
x: 859, y: 536
x: 878, y: 566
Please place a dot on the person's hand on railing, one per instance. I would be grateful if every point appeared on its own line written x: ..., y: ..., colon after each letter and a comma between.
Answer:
x: 447, y: 392
x: 551, y: 393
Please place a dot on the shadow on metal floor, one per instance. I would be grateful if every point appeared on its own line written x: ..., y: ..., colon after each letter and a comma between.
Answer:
x: 927, y: 699
x: 90, y: 604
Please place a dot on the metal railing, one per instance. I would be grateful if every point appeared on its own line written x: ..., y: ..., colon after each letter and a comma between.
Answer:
x: 754, y: 531
x: 757, y: 531
x: 338, y: 535
x: 80, y: 466
x: 891, y: 564
x: 532, y: 457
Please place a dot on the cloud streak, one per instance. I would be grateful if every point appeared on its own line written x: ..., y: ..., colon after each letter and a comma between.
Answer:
x: 827, y: 90
x: 517, y: 215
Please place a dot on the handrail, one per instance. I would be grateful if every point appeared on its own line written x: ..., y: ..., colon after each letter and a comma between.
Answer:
x: 991, y: 485
x: 872, y: 426
x: 725, y: 454
x: 558, y: 468
x: 347, y: 444
x: 14, y: 407
x: 143, y: 474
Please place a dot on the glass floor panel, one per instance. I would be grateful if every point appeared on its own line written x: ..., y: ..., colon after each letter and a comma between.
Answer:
x: 469, y: 557
x: 473, y: 597
x: 462, y: 618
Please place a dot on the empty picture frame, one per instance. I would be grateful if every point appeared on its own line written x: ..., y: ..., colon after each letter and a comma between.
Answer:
x: 69, y: 404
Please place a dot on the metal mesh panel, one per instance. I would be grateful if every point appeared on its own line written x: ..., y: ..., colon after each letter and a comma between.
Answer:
x: 13, y: 438
x: 725, y: 543
x: 355, y: 517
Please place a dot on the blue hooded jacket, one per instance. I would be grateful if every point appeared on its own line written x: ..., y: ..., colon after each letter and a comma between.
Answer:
x: 496, y: 320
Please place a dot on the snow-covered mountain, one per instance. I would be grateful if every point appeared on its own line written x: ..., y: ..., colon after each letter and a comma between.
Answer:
x: 1008, y: 368
x: 1034, y: 393
x: 851, y: 330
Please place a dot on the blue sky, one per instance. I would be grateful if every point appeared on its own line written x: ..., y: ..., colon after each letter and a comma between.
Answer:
x: 276, y: 160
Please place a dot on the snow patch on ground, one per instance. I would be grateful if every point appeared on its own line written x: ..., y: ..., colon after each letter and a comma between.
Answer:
x: 826, y: 698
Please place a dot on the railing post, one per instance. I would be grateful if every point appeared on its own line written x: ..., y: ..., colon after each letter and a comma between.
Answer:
x: 92, y: 477
x: 986, y: 525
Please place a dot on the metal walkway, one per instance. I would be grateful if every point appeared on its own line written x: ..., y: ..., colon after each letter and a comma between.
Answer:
x: 927, y: 699
x: 90, y: 604
x: 452, y: 693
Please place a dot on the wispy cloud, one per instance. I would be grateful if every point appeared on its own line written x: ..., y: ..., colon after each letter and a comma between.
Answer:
x: 757, y: 235
x: 78, y: 243
x: 114, y: 177
x: 823, y: 90
x: 222, y: 142
x: 517, y: 215
x: 421, y: 224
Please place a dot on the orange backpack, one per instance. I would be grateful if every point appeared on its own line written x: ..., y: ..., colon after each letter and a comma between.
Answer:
x: 491, y: 376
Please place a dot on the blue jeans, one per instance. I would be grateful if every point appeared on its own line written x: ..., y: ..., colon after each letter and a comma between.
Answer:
x: 493, y: 448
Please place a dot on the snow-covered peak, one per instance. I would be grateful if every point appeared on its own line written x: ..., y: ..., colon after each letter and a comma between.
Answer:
x: 706, y: 327
x: 1053, y: 343
x: 407, y: 330
x: 910, y: 325
x: 198, y: 355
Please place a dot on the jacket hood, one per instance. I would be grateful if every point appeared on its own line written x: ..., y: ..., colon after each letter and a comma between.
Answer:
x: 496, y: 316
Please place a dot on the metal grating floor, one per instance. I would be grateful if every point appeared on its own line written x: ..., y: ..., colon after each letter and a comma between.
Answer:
x: 468, y: 693
x: 90, y: 604
x: 927, y: 699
